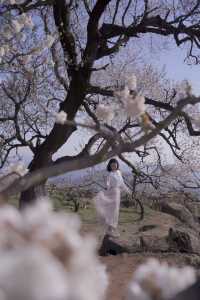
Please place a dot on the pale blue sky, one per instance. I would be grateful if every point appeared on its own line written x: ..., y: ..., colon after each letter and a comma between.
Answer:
x: 176, y: 68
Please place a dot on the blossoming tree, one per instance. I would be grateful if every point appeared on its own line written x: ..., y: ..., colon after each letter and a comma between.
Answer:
x: 50, y: 52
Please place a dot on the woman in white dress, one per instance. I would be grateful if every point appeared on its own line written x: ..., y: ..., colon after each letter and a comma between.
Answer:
x: 107, y: 202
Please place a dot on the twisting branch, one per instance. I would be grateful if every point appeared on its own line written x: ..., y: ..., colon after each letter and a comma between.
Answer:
x: 93, y: 37
x: 61, y: 12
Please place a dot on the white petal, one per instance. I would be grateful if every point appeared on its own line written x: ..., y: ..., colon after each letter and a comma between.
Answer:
x: 61, y: 117
x: 17, y: 26
x: 131, y: 82
x: 104, y: 113
x: 50, y: 40
x: 31, y: 273
x: 135, y: 292
x: 2, y: 51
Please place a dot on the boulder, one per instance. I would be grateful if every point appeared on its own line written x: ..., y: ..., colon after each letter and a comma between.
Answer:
x: 183, y: 241
x: 180, y: 212
x: 112, y: 246
x: 153, y: 244
x: 194, y: 207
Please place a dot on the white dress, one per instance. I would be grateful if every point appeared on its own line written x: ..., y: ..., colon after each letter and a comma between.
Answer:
x: 107, y: 202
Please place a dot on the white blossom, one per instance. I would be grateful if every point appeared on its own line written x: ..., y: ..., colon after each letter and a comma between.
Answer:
x: 43, y: 256
x: 196, y: 121
x: 49, y: 40
x: 6, y: 48
x: 37, y: 214
x: 20, y: 169
x: 52, y: 63
x: 27, y: 20
x: 105, y: 113
x: 32, y: 273
x: 17, y: 26
x: 12, y: 2
x: 23, y: 37
x: 135, y: 292
x: 131, y: 82
x: 122, y: 95
x: 135, y: 106
x: 2, y: 51
x: 61, y: 117
x: 155, y: 278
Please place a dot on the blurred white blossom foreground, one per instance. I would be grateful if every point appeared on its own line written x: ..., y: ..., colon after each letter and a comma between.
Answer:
x: 154, y: 280
x: 44, y: 257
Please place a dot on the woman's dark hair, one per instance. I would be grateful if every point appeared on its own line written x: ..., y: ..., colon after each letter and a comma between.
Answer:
x: 113, y: 160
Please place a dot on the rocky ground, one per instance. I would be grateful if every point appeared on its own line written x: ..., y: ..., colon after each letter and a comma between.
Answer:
x: 169, y: 231
x: 121, y: 268
x: 160, y: 235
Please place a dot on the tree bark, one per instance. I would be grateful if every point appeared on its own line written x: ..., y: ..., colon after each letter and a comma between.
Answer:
x: 59, y: 133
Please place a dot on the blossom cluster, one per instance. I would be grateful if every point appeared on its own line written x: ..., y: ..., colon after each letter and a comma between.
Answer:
x: 43, y: 256
x: 12, y: 27
x: 155, y: 280
x: 132, y: 103
x: 61, y: 117
x: 15, y: 26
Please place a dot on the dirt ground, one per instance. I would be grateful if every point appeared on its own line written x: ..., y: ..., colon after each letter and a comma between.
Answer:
x: 120, y: 270
x: 121, y: 267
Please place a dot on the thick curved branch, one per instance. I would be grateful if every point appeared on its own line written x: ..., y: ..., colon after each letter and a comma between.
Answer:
x: 188, y: 122
x: 93, y: 37
x: 154, y: 24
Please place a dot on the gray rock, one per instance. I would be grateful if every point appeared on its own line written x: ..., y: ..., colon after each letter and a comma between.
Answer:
x: 183, y: 241
x: 112, y: 246
x: 180, y: 212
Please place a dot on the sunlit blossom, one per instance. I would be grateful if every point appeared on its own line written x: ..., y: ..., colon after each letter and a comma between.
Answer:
x: 131, y: 82
x: 152, y: 281
x: 105, y: 113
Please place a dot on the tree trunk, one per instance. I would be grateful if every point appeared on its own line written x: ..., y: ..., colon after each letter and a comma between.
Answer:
x: 59, y: 133
x: 28, y: 197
